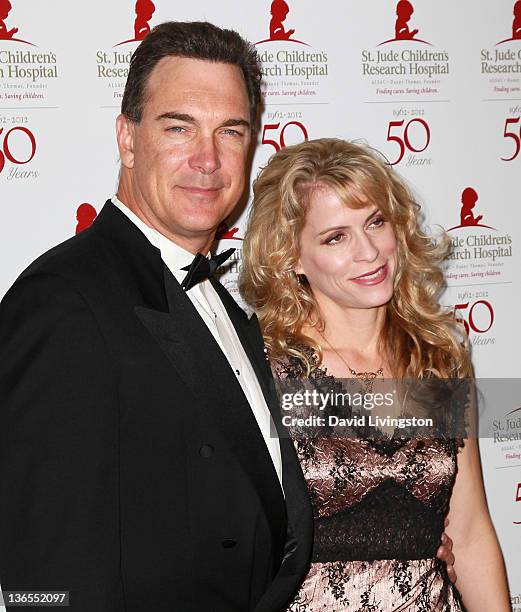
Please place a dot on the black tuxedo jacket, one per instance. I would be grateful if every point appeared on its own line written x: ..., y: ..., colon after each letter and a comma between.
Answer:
x: 132, y: 471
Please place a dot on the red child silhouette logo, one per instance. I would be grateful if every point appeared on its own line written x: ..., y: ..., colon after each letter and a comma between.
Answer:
x: 468, y: 218
x: 516, y: 24
x: 5, y: 33
x: 279, y: 11
x: 404, y: 12
x: 85, y: 215
x: 225, y: 233
x: 5, y: 9
x: 469, y: 197
x: 144, y: 11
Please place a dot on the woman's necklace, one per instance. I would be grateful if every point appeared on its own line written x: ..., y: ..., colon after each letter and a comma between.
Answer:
x: 367, y: 378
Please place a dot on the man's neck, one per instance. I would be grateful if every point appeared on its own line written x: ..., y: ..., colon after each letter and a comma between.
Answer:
x: 193, y: 244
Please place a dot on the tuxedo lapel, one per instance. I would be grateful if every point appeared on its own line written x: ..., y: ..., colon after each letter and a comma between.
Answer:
x: 199, y: 361
x: 141, y: 263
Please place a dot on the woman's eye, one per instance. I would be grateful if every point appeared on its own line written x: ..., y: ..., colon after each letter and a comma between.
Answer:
x: 334, y: 239
x: 377, y: 222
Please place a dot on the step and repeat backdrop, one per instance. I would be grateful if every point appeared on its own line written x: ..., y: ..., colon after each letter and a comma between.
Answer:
x: 434, y: 86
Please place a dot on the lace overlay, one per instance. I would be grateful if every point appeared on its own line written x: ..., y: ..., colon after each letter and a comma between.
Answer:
x: 376, y: 586
x: 379, y: 505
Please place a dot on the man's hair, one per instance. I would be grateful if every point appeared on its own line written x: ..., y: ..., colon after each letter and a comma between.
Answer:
x: 197, y: 40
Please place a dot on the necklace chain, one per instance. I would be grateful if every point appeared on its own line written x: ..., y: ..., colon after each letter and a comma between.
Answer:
x: 367, y: 378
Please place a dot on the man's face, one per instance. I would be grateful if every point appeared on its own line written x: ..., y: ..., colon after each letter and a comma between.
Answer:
x: 186, y: 158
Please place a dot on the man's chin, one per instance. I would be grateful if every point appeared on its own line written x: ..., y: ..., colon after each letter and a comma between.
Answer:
x: 202, y: 229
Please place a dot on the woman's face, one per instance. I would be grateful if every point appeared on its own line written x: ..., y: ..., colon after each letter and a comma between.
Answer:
x: 348, y: 256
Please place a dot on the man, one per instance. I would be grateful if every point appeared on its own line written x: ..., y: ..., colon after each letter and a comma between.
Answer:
x: 137, y: 470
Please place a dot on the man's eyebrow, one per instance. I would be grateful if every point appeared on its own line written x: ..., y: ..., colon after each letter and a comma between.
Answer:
x: 235, y: 122
x: 186, y: 118
x: 179, y: 116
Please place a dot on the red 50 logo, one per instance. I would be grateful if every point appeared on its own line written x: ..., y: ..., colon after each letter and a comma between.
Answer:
x: 6, y: 152
x: 414, y: 136
x: 479, y: 318
x: 279, y: 142
x: 512, y: 131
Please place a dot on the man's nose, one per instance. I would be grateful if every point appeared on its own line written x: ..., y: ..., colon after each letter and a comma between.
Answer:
x: 205, y: 158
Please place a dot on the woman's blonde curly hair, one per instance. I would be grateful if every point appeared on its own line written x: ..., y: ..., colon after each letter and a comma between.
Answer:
x: 420, y: 338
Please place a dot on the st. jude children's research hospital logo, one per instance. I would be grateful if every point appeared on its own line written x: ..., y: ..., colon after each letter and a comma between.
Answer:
x: 112, y: 64
x: 405, y: 54
x: 288, y: 68
x: 479, y: 251
x: 505, y: 56
x: 25, y: 73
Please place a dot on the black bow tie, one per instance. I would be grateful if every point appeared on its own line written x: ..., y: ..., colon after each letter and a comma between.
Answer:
x: 202, y: 268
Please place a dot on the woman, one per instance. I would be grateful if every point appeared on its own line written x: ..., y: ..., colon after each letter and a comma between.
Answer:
x: 345, y: 283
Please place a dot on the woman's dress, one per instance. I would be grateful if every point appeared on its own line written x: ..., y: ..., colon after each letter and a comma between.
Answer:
x: 379, y: 504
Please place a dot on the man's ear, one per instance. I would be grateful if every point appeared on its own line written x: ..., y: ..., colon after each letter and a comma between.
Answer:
x: 125, y: 129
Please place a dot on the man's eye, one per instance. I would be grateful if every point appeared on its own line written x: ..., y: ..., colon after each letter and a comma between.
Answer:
x: 232, y: 132
x: 177, y: 129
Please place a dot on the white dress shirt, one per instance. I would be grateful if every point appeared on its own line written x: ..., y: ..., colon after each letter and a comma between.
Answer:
x: 212, y: 311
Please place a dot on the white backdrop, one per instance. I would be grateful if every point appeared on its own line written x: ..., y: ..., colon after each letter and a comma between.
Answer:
x: 444, y: 106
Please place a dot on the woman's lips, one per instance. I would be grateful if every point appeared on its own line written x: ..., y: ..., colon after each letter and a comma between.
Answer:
x: 374, y: 277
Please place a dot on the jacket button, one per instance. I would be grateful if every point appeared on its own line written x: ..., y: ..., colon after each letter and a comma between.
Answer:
x: 206, y: 451
x: 228, y: 543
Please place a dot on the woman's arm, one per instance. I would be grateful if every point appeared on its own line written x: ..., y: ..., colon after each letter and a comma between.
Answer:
x: 479, y: 561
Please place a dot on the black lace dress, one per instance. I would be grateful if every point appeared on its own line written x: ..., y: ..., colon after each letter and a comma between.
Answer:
x: 379, y: 506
